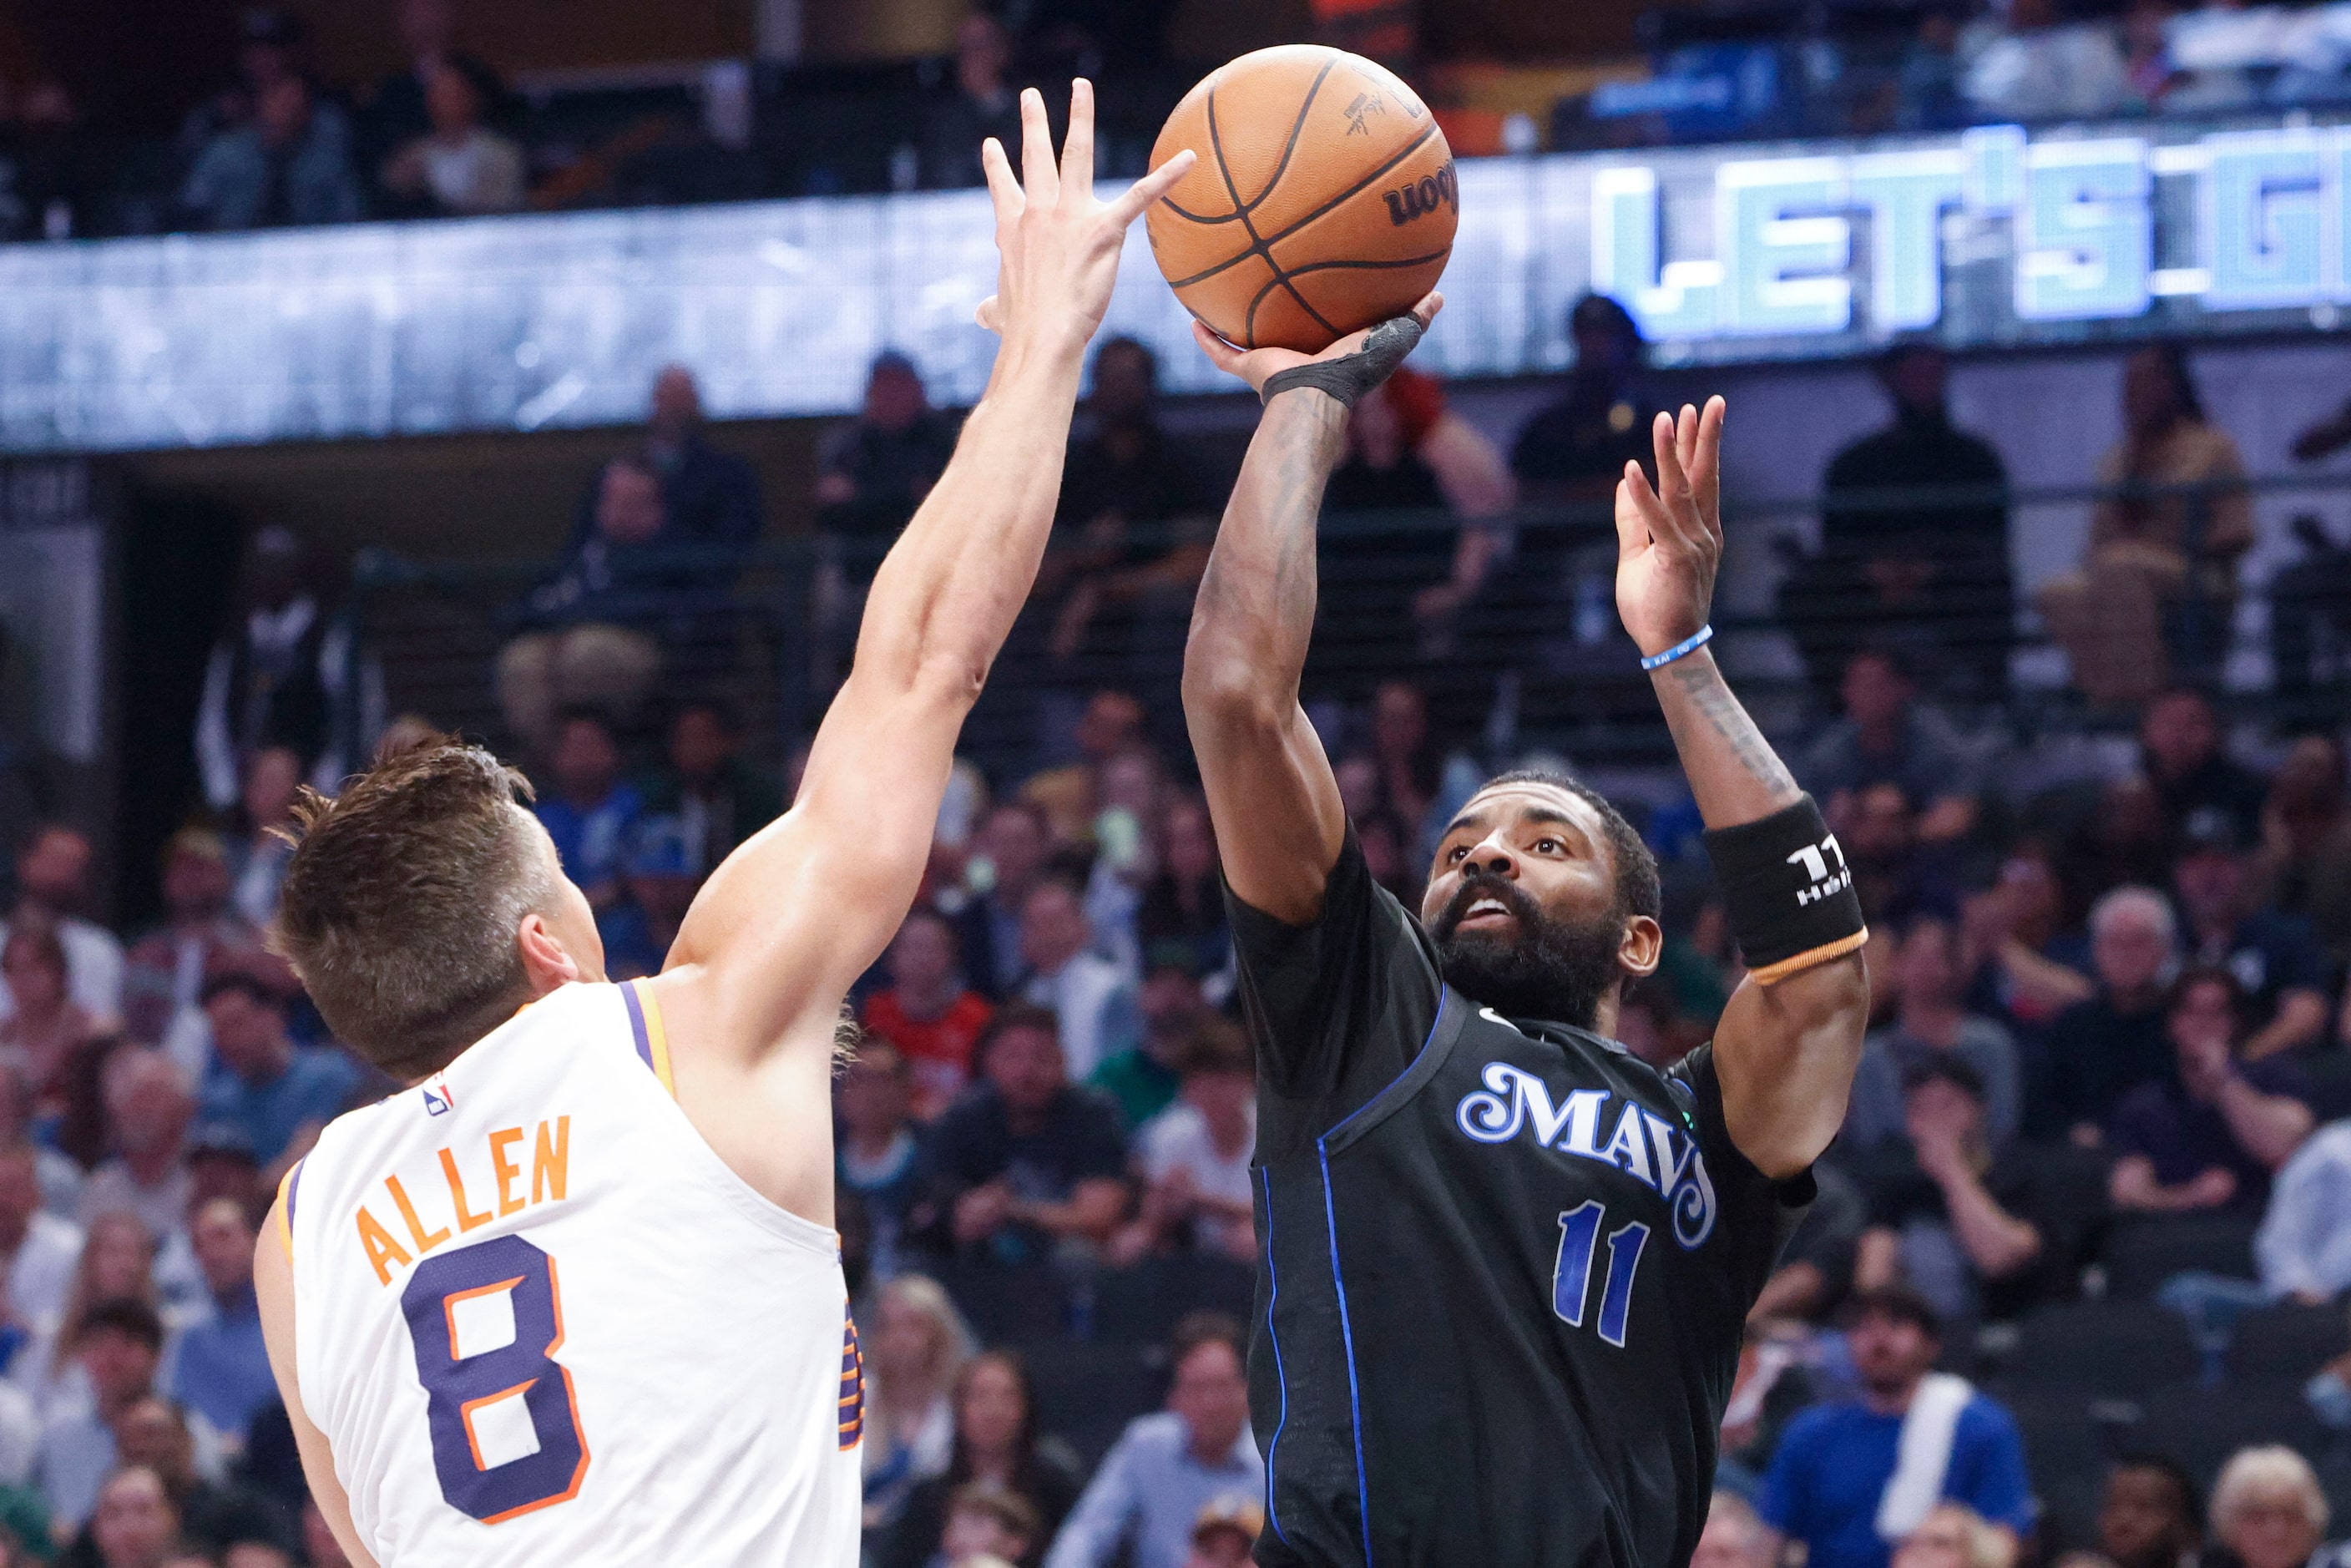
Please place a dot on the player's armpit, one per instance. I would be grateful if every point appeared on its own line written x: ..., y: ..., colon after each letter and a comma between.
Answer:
x: 273, y: 1284
x: 1786, y: 1053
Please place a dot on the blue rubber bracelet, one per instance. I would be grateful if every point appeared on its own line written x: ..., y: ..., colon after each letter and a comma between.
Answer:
x: 1681, y: 650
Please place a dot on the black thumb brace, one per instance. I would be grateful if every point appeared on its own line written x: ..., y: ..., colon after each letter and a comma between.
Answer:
x: 1352, y: 375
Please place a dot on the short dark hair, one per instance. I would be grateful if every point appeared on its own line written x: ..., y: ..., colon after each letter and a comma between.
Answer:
x: 1193, y: 1330
x: 241, y: 980
x: 2189, y: 1495
x: 2209, y: 975
x: 1014, y: 1016
x: 1946, y: 1067
x: 125, y: 1315
x: 1639, y: 890
x: 1214, y: 1045
x: 401, y: 903
x: 1898, y: 1303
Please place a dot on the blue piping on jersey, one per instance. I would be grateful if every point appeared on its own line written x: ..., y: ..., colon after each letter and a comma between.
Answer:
x: 1346, y: 1330
x: 1273, y: 1336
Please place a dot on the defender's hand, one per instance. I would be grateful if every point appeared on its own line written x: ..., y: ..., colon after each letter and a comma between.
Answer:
x: 1057, y: 245
x: 1669, y: 539
x: 1258, y: 366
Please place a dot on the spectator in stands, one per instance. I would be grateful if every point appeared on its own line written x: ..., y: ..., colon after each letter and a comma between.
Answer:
x: 222, y: 1369
x: 981, y: 104
x: 398, y: 111
x: 1407, y: 452
x: 53, y: 883
x: 216, y: 1515
x: 258, y: 858
x: 2273, y: 957
x: 1193, y: 1157
x: 1143, y: 1082
x: 120, y: 1343
x: 716, y: 794
x: 2310, y: 606
x: 997, y: 1443
x: 1131, y: 538
x: 1954, y: 1535
x: 2012, y: 930
x: 459, y: 168
x: 1893, y: 873
x: 117, y: 1263
x: 2158, y: 588
x: 2101, y: 1049
x: 1107, y: 733
x: 659, y: 884
x: 1933, y: 1024
x: 1888, y: 735
x: 281, y: 1095
x: 989, y: 1526
x: 1575, y: 448
x: 2035, y: 66
x: 591, y: 813
x: 1026, y: 1162
x: 48, y: 1032
x: 41, y: 1248
x: 149, y: 1104
x: 1184, y: 903
x: 873, y: 470
x: 2149, y: 1513
x: 268, y: 50
x: 132, y: 1523
x: 164, y: 971
x: 1090, y: 995
x: 1838, y: 1483
x: 2304, y: 1247
x: 2210, y: 1134
x: 877, y: 1155
x: 1223, y: 1535
x: 1013, y: 844
x: 710, y: 499
x: 1166, y: 1468
x: 2304, y: 865
x: 56, y: 172
x: 291, y: 164
x: 916, y: 1350
x: 1931, y: 571
x: 1733, y: 1537
x: 2268, y: 1511
x: 927, y: 1011
x: 1958, y: 1222
x: 2181, y: 754
x: 285, y: 671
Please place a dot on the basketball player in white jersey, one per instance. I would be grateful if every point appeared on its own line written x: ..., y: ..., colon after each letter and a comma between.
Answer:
x: 573, y: 1296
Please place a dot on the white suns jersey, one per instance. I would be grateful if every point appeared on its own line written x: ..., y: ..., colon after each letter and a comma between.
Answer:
x: 541, y: 1322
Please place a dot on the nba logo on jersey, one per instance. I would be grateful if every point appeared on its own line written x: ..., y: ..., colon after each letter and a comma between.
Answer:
x: 438, y: 1101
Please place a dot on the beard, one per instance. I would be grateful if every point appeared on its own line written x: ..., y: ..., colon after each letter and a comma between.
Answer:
x: 1549, y: 967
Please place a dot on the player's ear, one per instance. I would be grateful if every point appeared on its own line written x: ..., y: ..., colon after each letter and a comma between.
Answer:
x: 1641, y: 948
x: 545, y: 960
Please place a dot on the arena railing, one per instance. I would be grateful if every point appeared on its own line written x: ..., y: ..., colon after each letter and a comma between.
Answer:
x: 1534, y: 658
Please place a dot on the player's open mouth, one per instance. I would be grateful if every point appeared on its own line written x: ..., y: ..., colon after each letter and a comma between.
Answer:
x: 1489, y: 910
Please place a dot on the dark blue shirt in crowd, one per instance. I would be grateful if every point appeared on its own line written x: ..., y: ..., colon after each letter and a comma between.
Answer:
x: 1834, y: 1461
x: 2271, y: 953
x: 221, y: 1370
x: 315, y: 1084
x: 2183, y: 1137
x: 2094, y: 1055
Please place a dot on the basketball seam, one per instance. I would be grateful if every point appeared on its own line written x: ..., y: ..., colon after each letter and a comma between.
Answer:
x: 1297, y: 127
x: 1365, y: 266
x: 1241, y: 210
x: 1264, y: 247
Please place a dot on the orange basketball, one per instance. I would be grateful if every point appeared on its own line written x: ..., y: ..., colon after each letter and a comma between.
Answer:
x: 1323, y: 200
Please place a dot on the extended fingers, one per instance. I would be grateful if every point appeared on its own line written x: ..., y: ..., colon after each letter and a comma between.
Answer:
x: 1150, y: 187
x: 1078, y: 148
x: 1038, y: 175
x: 1002, y: 188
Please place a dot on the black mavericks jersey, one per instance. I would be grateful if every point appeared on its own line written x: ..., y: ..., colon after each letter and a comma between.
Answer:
x: 1507, y: 1264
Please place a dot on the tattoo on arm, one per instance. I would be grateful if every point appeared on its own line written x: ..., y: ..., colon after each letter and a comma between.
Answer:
x: 1703, y: 684
x: 1273, y: 530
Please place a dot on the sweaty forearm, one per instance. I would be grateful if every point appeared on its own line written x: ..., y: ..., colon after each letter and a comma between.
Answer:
x: 1733, y: 771
x: 1255, y: 613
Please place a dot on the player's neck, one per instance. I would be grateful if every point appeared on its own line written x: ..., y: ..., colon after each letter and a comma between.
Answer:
x: 1891, y: 1401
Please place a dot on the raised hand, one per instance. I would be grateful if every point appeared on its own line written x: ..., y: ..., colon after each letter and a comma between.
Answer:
x: 1669, y: 538
x: 1057, y: 247
x: 1258, y: 366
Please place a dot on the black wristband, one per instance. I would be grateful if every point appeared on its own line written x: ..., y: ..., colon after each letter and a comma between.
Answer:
x: 1352, y: 375
x: 1788, y: 891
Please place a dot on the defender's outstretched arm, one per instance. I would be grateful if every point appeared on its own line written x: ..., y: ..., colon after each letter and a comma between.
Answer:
x: 792, y: 917
x: 1271, y: 795
x: 1790, y: 1039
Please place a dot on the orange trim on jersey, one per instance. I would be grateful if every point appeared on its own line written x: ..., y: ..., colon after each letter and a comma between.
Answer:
x: 1771, y: 973
x: 286, y: 1210
x: 571, y: 1397
x: 449, y: 1310
x: 655, y: 1036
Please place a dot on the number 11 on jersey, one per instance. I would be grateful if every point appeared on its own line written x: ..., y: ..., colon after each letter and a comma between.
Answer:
x: 1571, y: 1281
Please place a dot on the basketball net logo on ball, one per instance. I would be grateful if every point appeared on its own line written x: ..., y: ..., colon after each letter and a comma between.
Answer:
x: 1324, y: 201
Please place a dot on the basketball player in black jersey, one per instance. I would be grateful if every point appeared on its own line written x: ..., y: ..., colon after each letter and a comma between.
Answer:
x: 1506, y: 1263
